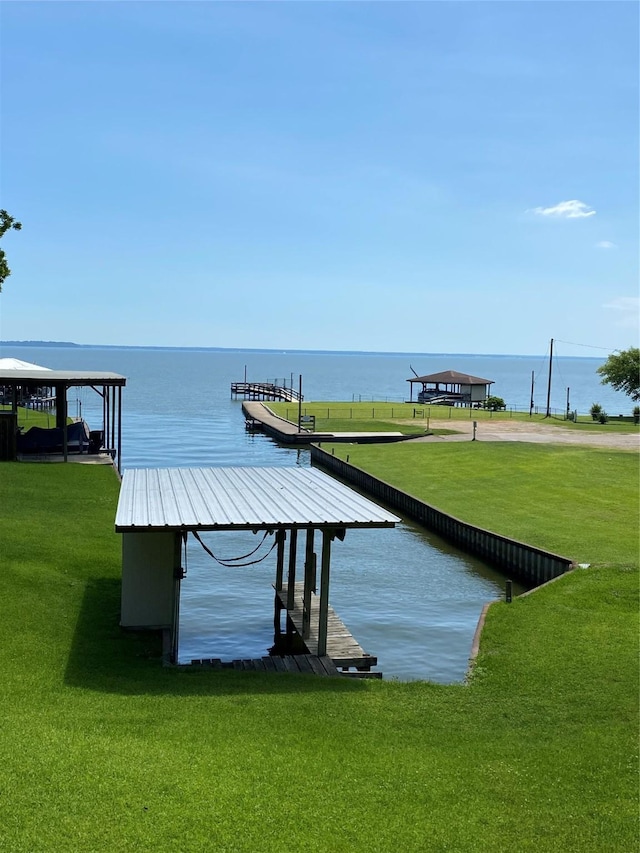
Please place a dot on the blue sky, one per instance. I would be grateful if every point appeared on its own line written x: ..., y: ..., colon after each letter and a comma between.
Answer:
x: 393, y: 176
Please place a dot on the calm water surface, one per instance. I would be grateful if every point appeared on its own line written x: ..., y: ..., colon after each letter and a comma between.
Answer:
x: 407, y: 597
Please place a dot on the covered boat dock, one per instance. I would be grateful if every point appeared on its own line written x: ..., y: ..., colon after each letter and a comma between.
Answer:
x: 159, y: 508
x: 20, y: 378
x: 450, y: 387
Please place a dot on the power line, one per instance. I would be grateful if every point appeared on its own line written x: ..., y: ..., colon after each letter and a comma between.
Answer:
x: 588, y: 346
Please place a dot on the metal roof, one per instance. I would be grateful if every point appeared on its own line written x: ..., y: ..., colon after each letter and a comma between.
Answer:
x: 19, y: 364
x: 241, y: 499
x: 452, y: 377
x: 44, y: 376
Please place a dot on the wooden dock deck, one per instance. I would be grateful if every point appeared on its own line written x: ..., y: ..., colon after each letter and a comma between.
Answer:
x: 342, y: 647
x: 296, y: 664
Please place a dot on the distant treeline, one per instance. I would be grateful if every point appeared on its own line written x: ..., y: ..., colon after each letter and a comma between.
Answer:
x: 39, y: 344
x: 254, y: 349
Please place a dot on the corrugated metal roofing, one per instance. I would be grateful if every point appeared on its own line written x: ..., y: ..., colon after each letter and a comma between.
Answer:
x: 241, y: 498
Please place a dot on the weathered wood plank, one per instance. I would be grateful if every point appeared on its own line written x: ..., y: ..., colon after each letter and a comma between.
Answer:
x: 304, y: 663
x: 316, y: 665
x: 342, y: 646
x: 328, y: 665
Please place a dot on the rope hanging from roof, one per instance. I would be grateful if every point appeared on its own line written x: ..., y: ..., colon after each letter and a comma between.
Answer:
x: 234, y: 562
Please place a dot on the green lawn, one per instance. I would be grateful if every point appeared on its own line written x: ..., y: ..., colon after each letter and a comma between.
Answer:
x: 345, y: 417
x: 101, y: 749
x: 579, y: 502
x: 28, y: 418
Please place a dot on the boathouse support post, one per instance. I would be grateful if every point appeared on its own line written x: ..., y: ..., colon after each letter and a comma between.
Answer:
x: 113, y: 417
x: 119, y: 428
x: 107, y: 415
x: 281, y: 536
x: 61, y: 416
x: 291, y: 576
x: 327, y: 536
x: 309, y: 583
x: 178, y: 574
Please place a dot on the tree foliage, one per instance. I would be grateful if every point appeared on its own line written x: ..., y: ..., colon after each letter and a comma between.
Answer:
x: 494, y: 404
x: 7, y: 223
x: 622, y: 371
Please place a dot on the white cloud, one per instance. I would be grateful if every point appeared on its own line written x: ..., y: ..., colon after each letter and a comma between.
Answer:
x: 628, y: 308
x: 606, y: 244
x: 566, y: 210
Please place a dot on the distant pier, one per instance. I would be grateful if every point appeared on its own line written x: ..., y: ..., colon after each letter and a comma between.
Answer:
x: 264, y: 391
x: 259, y: 417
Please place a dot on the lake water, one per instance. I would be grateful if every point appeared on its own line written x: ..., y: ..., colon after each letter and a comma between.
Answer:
x: 407, y: 597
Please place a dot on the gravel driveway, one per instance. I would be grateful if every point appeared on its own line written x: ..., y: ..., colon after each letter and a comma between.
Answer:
x: 532, y: 432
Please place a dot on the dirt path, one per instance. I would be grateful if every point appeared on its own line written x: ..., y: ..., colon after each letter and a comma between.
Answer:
x: 537, y: 433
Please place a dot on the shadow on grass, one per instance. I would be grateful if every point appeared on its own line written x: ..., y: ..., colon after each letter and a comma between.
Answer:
x: 106, y: 658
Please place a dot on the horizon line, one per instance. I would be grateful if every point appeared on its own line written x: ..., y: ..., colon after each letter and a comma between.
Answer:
x: 276, y: 350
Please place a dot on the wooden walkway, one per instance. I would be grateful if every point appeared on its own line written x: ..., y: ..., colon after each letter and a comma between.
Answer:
x: 342, y: 647
x: 264, y: 391
x: 261, y: 418
x: 305, y: 664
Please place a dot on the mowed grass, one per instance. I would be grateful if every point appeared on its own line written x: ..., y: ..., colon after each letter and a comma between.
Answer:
x: 580, y: 502
x: 359, y: 417
x: 335, y: 425
x: 102, y: 749
x: 345, y: 417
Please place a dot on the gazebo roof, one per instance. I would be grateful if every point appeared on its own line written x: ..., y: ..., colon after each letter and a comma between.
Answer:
x: 452, y: 377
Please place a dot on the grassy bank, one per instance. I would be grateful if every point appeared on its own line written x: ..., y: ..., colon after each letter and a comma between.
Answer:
x: 579, y: 502
x: 345, y: 417
x: 103, y: 750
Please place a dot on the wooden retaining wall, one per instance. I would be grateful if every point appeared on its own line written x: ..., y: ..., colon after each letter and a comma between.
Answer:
x: 532, y: 566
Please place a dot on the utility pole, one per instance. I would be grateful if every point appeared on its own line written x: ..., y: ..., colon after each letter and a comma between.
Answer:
x: 548, y: 415
x: 531, y: 401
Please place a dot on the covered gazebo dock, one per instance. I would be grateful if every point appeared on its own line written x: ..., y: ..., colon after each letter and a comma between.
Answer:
x: 451, y: 387
x: 159, y: 508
